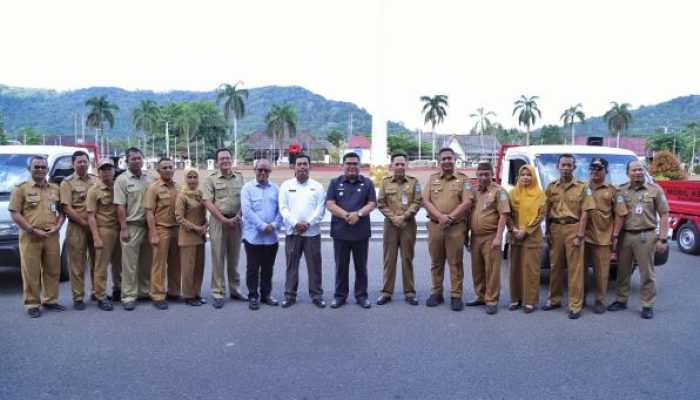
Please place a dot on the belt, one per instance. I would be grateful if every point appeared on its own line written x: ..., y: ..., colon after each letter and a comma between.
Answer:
x: 453, y: 222
x: 638, y: 230
x: 565, y: 221
x: 137, y: 223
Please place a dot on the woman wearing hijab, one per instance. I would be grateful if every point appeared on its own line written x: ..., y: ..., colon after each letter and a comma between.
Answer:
x: 190, y: 214
x: 527, y: 205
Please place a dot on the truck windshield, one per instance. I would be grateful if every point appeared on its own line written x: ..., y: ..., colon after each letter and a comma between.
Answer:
x: 617, y: 167
x: 13, y: 170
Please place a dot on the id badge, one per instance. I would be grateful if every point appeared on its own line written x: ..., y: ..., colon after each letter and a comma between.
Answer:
x: 404, y: 198
x: 643, y: 237
x: 52, y: 207
x: 638, y: 208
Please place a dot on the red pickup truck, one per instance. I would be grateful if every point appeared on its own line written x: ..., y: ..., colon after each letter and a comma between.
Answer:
x: 684, y: 216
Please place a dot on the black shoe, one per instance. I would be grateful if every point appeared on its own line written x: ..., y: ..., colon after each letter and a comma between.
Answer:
x: 270, y: 301
x: 217, y: 303
x: 383, y: 300
x: 34, y: 312
x: 617, y: 306
x: 144, y: 299
x: 173, y: 297
x: 412, y: 300
x: 79, y: 305
x: 434, y: 300
x: 528, y: 308
x: 514, y: 306
x: 253, y: 303
x: 475, y: 303
x: 574, y: 314
x: 337, y: 303
x: 160, y: 304
x: 105, y: 305
x: 319, y: 303
x: 364, y: 303
x: 93, y: 297
x: 456, y: 304
x: 201, y: 300
x: 238, y: 296
x: 54, y: 307
x: 491, y: 309
x: 286, y: 303
x: 193, y: 302
x: 116, y: 295
x: 599, y: 308
x: 647, y: 312
x: 550, y: 307
x: 129, y: 305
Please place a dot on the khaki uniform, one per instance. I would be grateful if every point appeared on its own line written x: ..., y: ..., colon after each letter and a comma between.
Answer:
x: 609, y: 203
x: 446, y: 193
x: 189, y: 213
x: 137, y: 254
x: 79, y: 243
x: 566, y: 203
x: 489, y: 205
x: 225, y: 193
x: 100, y: 201
x: 637, y: 241
x: 41, y: 259
x: 399, y: 198
x: 525, y: 262
x: 160, y: 198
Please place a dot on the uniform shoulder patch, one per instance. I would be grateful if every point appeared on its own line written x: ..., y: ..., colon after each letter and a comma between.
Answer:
x: 503, y: 196
x: 619, y: 198
x: 467, y: 185
x: 589, y: 192
x: 663, y: 197
x: 417, y: 188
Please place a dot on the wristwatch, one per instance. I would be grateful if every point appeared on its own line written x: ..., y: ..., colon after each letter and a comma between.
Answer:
x: 30, y: 230
x: 359, y: 213
x: 663, y: 241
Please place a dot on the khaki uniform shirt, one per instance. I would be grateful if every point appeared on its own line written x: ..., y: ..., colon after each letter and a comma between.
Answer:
x: 568, y: 201
x: 130, y: 191
x: 224, y: 192
x: 160, y: 198
x: 447, y: 192
x: 100, y: 200
x: 38, y: 203
x: 400, y: 197
x: 74, y: 190
x: 489, y: 205
x: 643, y: 204
x: 609, y: 204
x: 189, y: 212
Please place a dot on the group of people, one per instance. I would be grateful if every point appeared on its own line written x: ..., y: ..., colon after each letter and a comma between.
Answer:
x: 152, y: 233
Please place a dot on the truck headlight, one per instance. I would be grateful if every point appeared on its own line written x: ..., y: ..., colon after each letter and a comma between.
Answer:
x: 8, y: 229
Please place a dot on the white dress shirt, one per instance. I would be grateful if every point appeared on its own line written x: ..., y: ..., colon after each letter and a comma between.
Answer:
x: 302, y: 202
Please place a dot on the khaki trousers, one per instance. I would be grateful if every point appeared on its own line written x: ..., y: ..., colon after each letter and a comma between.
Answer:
x: 631, y: 248
x: 166, y: 261
x: 563, y: 253
x: 599, y: 257
x: 225, y: 251
x: 192, y: 270
x: 486, y: 268
x: 447, y: 245
x: 395, y: 239
x: 137, y: 256
x: 110, y: 253
x: 525, y: 266
x: 41, y: 269
x: 79, y: 244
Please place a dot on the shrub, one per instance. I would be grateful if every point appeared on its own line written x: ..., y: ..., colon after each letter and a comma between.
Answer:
x: 666, y: 166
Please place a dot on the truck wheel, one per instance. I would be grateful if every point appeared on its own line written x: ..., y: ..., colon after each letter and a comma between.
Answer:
x: 64, y: 263
x: 689, y: 238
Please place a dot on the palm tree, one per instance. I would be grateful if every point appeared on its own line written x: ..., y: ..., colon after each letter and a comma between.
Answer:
x: 145, y: 118
x: 435, y: 112
x: 618, y: 118
x: 100, y: 110
x: 234, y: 108
x: 570, y: 115
x: 187, y: 120
x: 483, y: 121
x: 281, y: 123
x: 528, y: 109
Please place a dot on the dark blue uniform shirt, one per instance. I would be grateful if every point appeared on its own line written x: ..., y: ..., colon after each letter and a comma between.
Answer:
x: 351, y: 196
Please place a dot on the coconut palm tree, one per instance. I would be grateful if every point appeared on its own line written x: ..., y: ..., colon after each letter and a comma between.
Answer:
x: 435, y: 112
x: 281, y: 123
x: 100, y: 111
x: 186, y: 120
x: 483, y: 122
x: 145, y: 118
x: 528, y: 108
x: 234, y: 108
x: 618, y: 118
x: 570, y: 115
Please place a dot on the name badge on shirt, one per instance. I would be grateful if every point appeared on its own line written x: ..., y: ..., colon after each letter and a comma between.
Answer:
x: 52, y: 207
x: 638, y: 208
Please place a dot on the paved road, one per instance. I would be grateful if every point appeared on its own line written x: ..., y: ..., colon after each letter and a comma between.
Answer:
x: 394, y: 351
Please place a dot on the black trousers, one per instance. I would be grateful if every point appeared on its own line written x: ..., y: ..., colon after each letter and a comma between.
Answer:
x: 310, y: 247
x: 260, y: 262
x: 343, y: 249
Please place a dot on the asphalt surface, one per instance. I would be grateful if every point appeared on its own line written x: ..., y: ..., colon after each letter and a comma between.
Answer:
x: 395, y: 351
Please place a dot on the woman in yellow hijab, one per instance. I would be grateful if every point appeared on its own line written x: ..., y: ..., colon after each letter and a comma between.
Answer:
x: 527, y: 205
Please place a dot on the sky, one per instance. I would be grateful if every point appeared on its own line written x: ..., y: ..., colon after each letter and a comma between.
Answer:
x: 381, y: 55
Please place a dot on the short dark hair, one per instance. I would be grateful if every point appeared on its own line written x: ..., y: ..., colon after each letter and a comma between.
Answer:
x: 444, y: 149
x: 399, y: 154
x: 308, y: 159
x: 627, y: 167
x: 35, y: 158
x: 216, y: 155
x: 132, y: 150
x: 79, y: 153
x: 164, y: 159
x: 351, y: 154
x: 484, y: 166
x: 566, y: 155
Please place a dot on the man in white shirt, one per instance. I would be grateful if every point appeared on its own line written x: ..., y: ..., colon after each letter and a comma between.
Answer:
x: 302, y: 205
